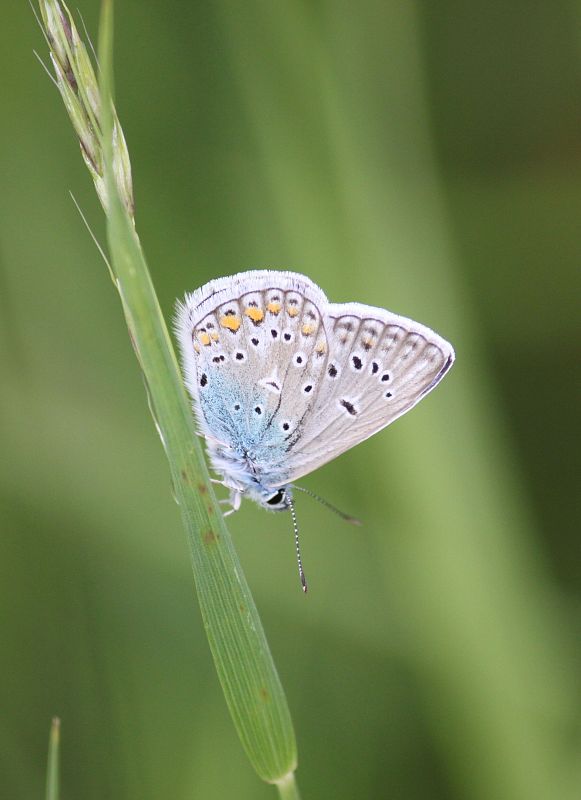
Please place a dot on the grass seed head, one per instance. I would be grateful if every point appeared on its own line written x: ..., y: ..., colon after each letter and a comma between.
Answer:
x: 79, y: 88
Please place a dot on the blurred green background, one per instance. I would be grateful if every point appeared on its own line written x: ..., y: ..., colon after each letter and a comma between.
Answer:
x: 423, y: 157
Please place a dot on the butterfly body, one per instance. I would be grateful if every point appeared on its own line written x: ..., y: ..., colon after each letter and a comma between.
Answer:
x: 283, y: 381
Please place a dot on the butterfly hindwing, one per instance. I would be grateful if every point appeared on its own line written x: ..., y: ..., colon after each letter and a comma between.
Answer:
x: 379, y: 366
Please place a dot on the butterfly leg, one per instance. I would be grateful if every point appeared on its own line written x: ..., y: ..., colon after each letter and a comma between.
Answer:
x: 235, y: 500
x: 212, y: 440
x: 233, y: 488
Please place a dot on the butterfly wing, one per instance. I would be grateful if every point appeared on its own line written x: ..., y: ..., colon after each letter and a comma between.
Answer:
x: 379, y: 366
x: 291, y: 381
x: 253, y: 346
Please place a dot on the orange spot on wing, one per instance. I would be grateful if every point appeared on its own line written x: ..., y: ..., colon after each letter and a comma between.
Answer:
x: 204, y: 338
x: 255, y: 314
x: 307, y: 330
x: 231, y: 322
x: 274, y: 308
x: 292, y: 311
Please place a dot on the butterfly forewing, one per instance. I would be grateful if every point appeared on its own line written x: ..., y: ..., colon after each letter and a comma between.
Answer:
x: 252, y: 359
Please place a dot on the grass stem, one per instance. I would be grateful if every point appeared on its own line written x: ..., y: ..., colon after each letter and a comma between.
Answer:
x: 52, y: 771
x: 243, y: 661
x: 288, y: 788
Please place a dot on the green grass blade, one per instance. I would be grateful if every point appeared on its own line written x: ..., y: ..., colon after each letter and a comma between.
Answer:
x: 241, y: 655
x: 249, y: 679
x: 52, y: 770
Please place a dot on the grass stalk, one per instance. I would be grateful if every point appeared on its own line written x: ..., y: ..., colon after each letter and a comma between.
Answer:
x: 52, y: 770
x: 243, y: 661
x: 287, y: 788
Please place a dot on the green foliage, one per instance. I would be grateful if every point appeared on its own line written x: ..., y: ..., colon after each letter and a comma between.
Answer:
x: 423, y: 157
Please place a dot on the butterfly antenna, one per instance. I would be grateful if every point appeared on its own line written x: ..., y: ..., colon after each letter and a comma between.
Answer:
x: 291, y: 506
x: 330, y: 506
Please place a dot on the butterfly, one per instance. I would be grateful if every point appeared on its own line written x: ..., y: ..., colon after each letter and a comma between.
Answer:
x: 283, y: 381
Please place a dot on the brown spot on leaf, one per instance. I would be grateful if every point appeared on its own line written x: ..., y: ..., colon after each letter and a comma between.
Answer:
x: 209, y: 537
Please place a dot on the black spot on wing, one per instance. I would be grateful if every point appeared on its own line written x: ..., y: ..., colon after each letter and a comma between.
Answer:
x: 349, y: 407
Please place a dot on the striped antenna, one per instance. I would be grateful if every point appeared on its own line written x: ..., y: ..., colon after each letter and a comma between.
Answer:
x: 330, y: 506
x: 291, y: 506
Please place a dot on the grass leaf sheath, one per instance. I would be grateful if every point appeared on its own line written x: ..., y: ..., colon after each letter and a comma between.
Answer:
x: 243, y: 661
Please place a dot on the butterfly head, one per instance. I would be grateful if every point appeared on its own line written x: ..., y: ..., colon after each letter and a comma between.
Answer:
x: 273, y: 499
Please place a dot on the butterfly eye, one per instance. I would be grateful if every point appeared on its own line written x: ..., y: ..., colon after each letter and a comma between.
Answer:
x: 276, y: 499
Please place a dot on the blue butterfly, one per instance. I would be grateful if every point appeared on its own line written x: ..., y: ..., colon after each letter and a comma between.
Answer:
x: 284, y: 381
